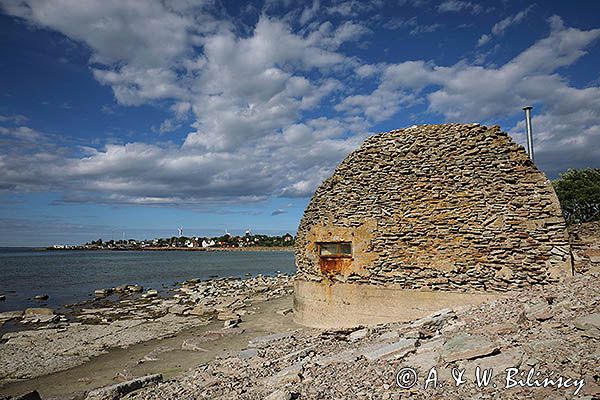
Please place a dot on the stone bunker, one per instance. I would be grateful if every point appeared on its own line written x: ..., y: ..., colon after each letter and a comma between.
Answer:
x: 425, y: 218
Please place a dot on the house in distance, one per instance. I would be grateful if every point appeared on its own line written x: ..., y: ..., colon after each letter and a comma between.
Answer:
x: 424, y: 218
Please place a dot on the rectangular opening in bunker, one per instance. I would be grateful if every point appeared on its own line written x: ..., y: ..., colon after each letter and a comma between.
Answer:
x: 335, y: 249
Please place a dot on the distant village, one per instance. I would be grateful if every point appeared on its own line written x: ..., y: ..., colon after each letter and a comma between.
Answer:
x: 227, y: 241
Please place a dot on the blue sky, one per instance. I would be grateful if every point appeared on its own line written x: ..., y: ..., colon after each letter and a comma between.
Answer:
x: 137, y: 117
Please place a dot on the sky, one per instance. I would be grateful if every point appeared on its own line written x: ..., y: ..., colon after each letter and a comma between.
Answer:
x: 132, y: 118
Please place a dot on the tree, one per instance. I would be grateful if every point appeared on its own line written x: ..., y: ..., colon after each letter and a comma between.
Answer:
x: 579, y: 194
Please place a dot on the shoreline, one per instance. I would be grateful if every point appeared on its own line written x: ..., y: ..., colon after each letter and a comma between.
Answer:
x: 45, y: 342
x: 200, y: 249
x: 268, y: 356
x: 170, y: 356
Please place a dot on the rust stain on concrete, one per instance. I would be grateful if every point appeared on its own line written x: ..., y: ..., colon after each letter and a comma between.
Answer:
x: 335, y: 265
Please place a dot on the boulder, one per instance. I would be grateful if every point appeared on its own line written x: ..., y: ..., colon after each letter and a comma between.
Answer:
x: 41, y: 297
x: 121, y: 289
x: 201, y: 310
x: 29, y: 396
x: 358, y: 335
x: 430, y: 325
x: 261, y: 289
x: 39, y: 311
x: 135, y: 288
x: 231, y: 323
x: 291, y: 374
x: 8, y: 315
x: 179, y: 309
x: 227, y: 315
x: 539, y: 312
x: 394, y: 350
x: 510, y: 358
x: 426, y: 356
x: 102, y: 292
x: 590, y: 324
x: 390, y: 335
x: 114, y: 392
x: 150, y: 293
x: 247, y: 353
x: 467, y: 347
x: 279, y: 395
x: 285, y: 311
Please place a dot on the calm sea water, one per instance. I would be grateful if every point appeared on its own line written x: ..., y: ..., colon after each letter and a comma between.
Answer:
x: 72, y: 276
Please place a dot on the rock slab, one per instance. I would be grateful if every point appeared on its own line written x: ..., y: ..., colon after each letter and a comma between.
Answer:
x: 115, y: 392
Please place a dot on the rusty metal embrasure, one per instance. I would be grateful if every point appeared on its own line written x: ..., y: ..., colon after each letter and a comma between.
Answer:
x: 334, y: 257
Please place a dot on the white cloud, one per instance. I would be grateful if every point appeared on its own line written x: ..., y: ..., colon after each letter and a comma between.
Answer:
x: 459, y: 5
x: 484, y: 39
x: 148, y: 33
x: 500, y: 27
x: 570, y: 116
x: 22, y: 133
x: 247, y: 95
x: 352, y: 8
x: 15, y: 118
x: 415, y: 27
x: 135, y: 86
x: 309, y: 12
x: 290, y: 164
x: 253, y: 101
x: 424, y: 29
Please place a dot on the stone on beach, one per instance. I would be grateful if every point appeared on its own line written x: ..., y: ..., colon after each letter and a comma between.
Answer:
x: 34, y: 395
x: 150, y: 293
x: 590, y: 324
x: 117, y: 391
x: 285, y: 311
x: 279, y: 395
x: 193, y: 344
x: 466, y: 347
x: 358, y: 335
x: 179, y: 309
x: 265, y: 340
x: 8, y: 315
x: 39, y: 311
x: 227, y: 315
x: 102, y: 292
x: 248, y: 353
x: 201, y: 310
x: 389, y: 351
x: 135, y: 288
x: 231, y: 323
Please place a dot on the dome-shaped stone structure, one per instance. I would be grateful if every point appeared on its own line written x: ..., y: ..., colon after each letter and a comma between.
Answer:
x: 423, y: 218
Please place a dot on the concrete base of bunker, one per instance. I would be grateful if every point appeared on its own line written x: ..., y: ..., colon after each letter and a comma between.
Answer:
x: 340, y: 305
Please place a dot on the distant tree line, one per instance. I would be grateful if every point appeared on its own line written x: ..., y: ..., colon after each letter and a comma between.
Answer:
x: 226, y: 240
x: 579, y: 193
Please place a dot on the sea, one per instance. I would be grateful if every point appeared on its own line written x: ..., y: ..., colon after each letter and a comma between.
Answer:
x: 70, y: 276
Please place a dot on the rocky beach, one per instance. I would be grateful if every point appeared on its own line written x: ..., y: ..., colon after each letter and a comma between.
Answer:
x: 555, y: 330
x: 43, y: 342
x: 235, y: 338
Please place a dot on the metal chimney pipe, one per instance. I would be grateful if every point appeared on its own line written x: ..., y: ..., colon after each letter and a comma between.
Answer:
x: 527, y: 110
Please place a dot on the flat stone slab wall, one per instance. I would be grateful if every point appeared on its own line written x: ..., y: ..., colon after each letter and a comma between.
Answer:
x: 443, y: 207
x: 430, y: 211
